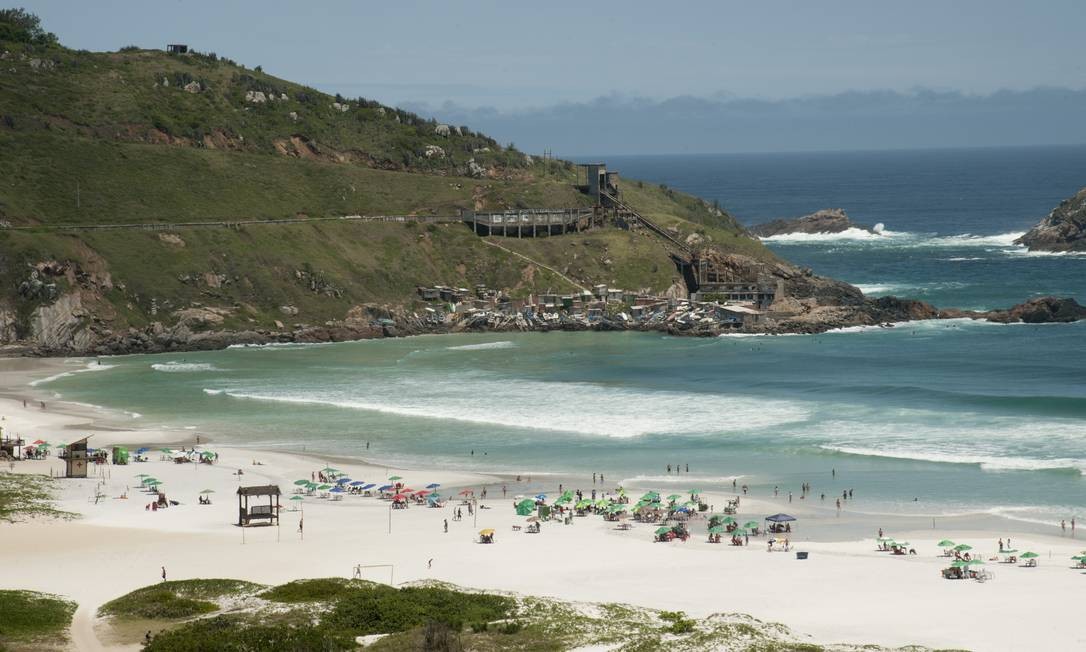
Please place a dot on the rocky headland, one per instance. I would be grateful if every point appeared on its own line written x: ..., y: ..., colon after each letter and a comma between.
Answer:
x: 1063, y: 230
x: 827, y: 220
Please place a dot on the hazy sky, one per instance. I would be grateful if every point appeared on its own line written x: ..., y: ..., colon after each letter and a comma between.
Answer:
x: 653, y: 76
x: 511, y: 54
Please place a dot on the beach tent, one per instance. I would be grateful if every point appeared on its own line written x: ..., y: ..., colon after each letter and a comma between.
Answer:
x: 525, y: 507
x: 780, y: 518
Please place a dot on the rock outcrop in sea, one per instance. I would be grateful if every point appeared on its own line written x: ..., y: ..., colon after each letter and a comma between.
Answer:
x: 827, y: 220
x: 1063, y: 230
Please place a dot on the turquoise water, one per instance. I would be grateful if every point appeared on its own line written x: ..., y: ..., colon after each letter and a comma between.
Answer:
x: 957, y: 415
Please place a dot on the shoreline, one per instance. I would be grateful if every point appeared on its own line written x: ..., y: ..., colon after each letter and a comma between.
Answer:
x: 587, y: 561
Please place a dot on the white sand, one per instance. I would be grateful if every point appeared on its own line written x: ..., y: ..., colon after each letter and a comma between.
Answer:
x: 845, y: 593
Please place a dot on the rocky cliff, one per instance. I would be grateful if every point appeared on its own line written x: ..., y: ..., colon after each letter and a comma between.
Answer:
x: 827, y: 220
x: 1063, y: 230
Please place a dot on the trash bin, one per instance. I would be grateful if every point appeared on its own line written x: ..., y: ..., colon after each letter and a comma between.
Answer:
x: 801, y: 555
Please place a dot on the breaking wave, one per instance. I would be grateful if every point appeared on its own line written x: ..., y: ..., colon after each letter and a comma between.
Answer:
x: 985, y: 462
x: 486, y: 346
x: 905, y: 239
x: 65, y: 374
x: 687, y: 481
x: 184, y: 367
x: 600, y: 410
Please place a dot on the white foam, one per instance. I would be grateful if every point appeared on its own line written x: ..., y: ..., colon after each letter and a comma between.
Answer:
x: 971, y: 240
x: 91, y: 366
x: 853, y: 233
x: 184, y: 367
x: 580, y: 408
x: 483, y: 347
x: 688, y: 481
x: 213, y: 392
x: 273, y: 346
x: 985, y: 462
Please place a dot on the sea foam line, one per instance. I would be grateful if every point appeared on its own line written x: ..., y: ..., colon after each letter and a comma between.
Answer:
x: 91, y: 366
x: 985, y: 462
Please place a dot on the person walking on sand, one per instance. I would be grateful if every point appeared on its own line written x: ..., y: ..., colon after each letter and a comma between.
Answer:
x: 593, y: 478
x: 1001, y: 545
x: 1063, y: 526
x: 446, y: 526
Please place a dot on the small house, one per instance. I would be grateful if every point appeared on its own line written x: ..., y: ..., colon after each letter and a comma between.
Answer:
x: 75, y: 459
x: 177, y: 48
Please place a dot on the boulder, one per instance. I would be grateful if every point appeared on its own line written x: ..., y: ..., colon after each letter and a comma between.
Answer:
x: 1063, y: 230
x: 255, y: 97
x: 1043, y: 310
x: 192, y: 87
x: 475, y: 170
x: 433, y: 151
x: 442, y: 130
x: 829, y: 220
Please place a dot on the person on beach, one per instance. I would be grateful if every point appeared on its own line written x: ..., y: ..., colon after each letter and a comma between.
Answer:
x: 446, y: 526
x: 1063, y: 526
x: 775, y: 491
x: 1001, y: 545
x: 669, y: 469
x: 789, y: 496
x: 688, y: 468
x: 593, y: 478
x: 503, y: 491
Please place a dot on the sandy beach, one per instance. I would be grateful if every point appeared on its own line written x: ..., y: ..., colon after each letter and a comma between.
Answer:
x: 845, y: 592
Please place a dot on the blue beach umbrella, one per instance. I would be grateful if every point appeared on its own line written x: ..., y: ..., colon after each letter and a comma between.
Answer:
x: 369, y: 486
x: 433, y: 485
x: 357, y: 483
x: 141, y: 451
x: 385, y: 487
x: 343, y: 480
x: 541, y: 496
x: 337, y: 490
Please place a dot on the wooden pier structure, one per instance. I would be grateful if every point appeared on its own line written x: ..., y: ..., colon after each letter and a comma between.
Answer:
x: 530, y: 222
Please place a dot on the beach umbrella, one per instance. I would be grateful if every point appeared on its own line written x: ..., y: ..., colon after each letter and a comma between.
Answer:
x: 1007, y: 551
x: 343, y: 480
x: 296, y: 498
x: 727, y: 520
x: 739, y: 532
x: 329, y: 469
x: 693, y: 491
x: 421, y: 492
x: 400, y: 497
x: 962, y: 547
x: 662, y: 530
x: 301, y: 483
x: 324, y: 487
x: 142, y: 475
x: 369, y: 486
x: 1029, y: 555
x: 311, y: 485
x: 208, y: 491
x: 674, y: 497
x: 961, y: 563
x: 37, y: 442
x: 384, y: 487
x: 139, y: 451
x: 433, y: 485
x: 975, y: 562
x: 357, y: 483
x: 716, y: 529
x: 394, y: 478
x: 946, y: 543
x: 541, y: 496
x: 468, y: 492
x: 583, y: 504
x: 750, y: 525
x: 337, y: 490
x: 487, y: 532
x: 165, y: 450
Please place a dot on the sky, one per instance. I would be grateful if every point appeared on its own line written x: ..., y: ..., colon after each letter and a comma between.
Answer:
x: 518, y: 61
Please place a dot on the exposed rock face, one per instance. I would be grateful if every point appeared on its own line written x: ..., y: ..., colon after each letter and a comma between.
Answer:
x: 255, y: 97
x: 1063, y: 230
x: 829, y: 220
x: 1044, y: 310
x: 61, y: 326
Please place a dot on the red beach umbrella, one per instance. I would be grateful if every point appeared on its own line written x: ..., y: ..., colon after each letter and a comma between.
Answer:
x: 467, y: 492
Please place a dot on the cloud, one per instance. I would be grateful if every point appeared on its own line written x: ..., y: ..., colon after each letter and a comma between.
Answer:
x: 619, y: 124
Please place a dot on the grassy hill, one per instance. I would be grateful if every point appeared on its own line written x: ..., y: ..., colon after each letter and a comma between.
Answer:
x: 146, y: 137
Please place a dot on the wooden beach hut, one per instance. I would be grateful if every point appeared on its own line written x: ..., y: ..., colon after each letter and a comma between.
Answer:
x: 258, y: 512
x: 75, y: 459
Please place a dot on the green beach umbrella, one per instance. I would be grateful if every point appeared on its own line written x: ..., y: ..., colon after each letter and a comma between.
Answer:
x: 694, y: 491
x: 208, y: 491
x: 946, y: 543
x: 324, y: 487
x: 662, y: 530
x: 301, y: 483
x: 750, y: 525
x: 727, y: 520
x: 165, y: 450
x: 141, y: 475
x: 739, y: 532
x: 392, y: 478
x: 1009, y: 552
x: 1029, y: 555
x: 329, y: 469
x: 296, y: 498
x: 583, y: 504
x: 674, y: 497
x: 961, y: 563
x: 962, y: 547
x: 716, y: 529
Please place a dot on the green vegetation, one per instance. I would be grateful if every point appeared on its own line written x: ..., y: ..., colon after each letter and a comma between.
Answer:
x: 145, y: 137
x: 176, y: 600
x: 30, y: 619
x: 329, y: 613
x: 25, y: 496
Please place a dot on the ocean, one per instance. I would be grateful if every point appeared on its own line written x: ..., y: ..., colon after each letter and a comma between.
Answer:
x: 931, y: 418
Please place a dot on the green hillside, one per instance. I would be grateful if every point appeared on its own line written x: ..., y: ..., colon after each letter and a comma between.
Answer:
x: 145, y: 137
